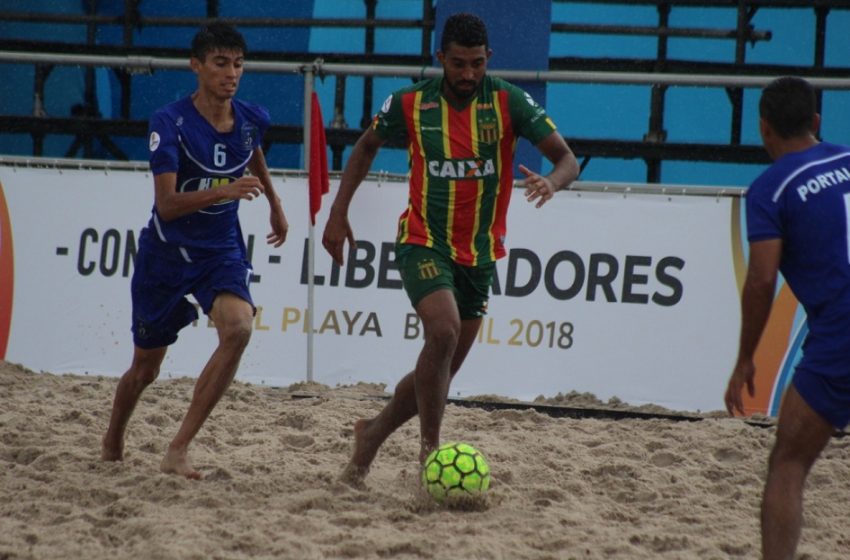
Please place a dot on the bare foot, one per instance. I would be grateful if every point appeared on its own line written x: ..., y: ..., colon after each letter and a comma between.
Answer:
x: 366, y: 446
x: 177, y: 462
x: 110, y: 451
x: 425, y: 449
x: 354, y: 476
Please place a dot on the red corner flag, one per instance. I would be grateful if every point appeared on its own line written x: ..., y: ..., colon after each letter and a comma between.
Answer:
x: 318, y: 172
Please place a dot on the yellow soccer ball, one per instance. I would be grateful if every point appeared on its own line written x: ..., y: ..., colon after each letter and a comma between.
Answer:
x: 455, y: 470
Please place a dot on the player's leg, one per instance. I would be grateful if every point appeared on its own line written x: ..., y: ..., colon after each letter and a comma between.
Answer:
x: 429, y: 280
x: 472, y: 291
x: 370, y: 434
x: 468, y: 332
x: 233, y: 318
x: 159, y: 311
x: 801, y: 435
x: 143, y: 371
x: 442, y: 326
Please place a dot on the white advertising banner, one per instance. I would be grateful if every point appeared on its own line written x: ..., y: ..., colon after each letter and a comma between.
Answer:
x: 627, y: 295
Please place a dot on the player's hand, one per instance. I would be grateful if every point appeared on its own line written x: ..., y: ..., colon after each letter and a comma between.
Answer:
x: 337, y: 230
x: 743, y: 375
x: 280, y: 226
x: 245, y: 188
x: 537, y: 187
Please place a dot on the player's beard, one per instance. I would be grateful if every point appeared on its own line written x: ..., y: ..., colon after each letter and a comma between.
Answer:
x: 463, y: 89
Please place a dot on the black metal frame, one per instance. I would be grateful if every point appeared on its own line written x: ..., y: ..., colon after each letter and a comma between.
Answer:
x: 87, y: 126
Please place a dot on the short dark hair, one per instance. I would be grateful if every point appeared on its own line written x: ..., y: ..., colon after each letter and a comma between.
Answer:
x: 467, y: 30
x: 789, y: 105
x: 217, y: 35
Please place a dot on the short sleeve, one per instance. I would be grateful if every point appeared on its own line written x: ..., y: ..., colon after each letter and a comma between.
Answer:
x: 162, y: 143
x: 530, y: 118
x: 389, y: 121
x: 764, y: 214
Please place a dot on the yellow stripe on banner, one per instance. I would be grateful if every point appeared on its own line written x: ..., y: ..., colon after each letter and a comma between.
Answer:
x: 417, y: 126
x: 473, y: 127
x: 738, y: 262
x: 772, y: 351
x: 447, y: 153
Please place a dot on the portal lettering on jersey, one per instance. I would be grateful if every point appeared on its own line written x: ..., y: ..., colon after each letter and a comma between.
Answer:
x: 461, y: 169
x: 823, y: 181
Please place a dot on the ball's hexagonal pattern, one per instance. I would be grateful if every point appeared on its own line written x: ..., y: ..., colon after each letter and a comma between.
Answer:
x: 455, y: 469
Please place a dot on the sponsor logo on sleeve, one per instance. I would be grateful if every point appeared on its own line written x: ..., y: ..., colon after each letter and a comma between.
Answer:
x: 385, y: 108
x: 153, y: 142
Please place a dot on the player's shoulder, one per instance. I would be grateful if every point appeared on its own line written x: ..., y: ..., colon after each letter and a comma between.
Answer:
x: 176, y: 111
x: 252, y: 111
x: 429, y: 88
x: 772, y: 182
x: 765, y: 183
x: 495, y: 83
x: 517, y: 96
x: 828, y: 149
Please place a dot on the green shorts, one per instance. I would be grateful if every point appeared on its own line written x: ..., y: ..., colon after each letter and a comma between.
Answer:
x: 425, y: 270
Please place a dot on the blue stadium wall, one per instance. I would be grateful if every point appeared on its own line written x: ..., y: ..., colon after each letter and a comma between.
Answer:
x: 581, y: 110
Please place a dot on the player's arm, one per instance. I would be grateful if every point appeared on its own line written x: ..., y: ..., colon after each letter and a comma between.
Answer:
x: 171, y: 204
x: 258, y: 168
x: 756, y: 301
x: 565, y: 170
x: 338, y: 229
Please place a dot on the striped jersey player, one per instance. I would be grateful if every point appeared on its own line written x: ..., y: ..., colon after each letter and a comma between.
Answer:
x: 461, y: 163
x: 461, y: 131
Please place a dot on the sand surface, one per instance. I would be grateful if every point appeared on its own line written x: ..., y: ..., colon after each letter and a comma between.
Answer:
x: 562, y: 487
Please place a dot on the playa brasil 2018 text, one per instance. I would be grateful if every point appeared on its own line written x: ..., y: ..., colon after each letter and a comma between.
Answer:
x: 533, y: 333
x: 564, y: 275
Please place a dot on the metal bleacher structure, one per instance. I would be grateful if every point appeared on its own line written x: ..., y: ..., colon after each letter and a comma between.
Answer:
x: 87, y: 127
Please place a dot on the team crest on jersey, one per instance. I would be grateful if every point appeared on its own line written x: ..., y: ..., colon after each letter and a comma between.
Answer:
x: 153, y: 141
x: 488, y: 132
x: 427, y: 269
x: 249, y: 132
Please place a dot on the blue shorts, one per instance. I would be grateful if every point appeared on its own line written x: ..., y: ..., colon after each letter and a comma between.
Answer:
x: 827, y: 395
x: 160, y: 284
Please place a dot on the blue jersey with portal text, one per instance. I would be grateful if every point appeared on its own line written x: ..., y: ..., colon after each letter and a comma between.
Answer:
x: 804, y: 199
x: 182, y: 141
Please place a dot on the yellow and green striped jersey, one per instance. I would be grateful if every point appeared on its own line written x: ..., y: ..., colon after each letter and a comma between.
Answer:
x: 461, y: 163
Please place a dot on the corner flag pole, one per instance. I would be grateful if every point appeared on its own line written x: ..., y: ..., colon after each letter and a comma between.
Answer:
x: 309, y: 78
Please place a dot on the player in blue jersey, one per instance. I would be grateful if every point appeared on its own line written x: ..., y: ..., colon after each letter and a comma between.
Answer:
x: 200, y: 147
x: 797, y: 222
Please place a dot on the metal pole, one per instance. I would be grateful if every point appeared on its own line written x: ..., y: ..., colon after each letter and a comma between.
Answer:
x: 309, y: 77
x: 821, y: 13
x: 368, y: 82
x: 656, y: 131
x: 148, y: 64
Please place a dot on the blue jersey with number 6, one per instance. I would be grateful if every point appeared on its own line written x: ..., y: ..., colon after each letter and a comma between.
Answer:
x: 182, y: 141
x: 804, y: 199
